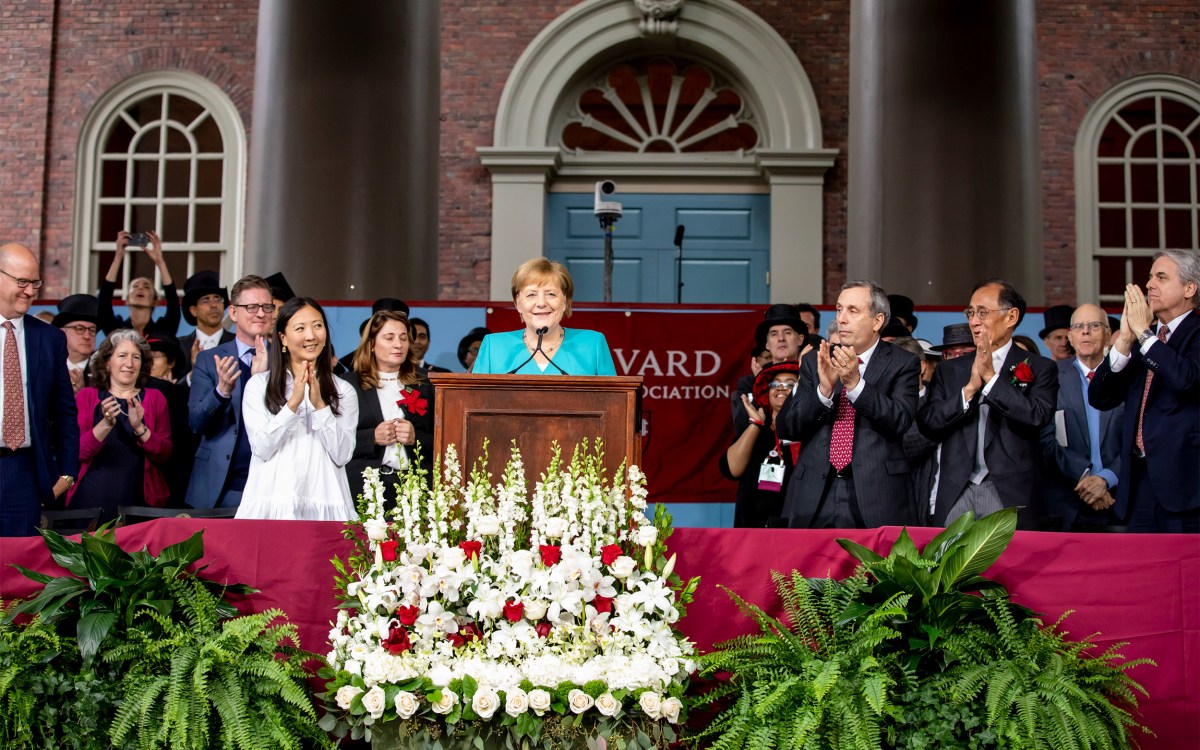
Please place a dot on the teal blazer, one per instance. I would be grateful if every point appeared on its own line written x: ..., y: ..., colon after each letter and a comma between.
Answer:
x: 582, y: 352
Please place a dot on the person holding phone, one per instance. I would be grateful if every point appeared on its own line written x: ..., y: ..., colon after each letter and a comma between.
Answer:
x: 124, y: 428
x: 140, y: 296
x: 301, y: 421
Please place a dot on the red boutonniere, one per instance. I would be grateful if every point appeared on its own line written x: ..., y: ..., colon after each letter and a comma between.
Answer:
x: 411, y: 401
x: 1022, y: 374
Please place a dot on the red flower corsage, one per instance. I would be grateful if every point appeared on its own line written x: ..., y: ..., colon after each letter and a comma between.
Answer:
x: 1022, y: 374
x: 412, y: 403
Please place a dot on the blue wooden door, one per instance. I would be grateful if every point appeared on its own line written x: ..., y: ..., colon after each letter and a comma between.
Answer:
x: 726, y: 247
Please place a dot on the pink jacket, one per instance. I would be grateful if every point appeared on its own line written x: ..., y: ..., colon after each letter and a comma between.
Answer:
x: 157, y: 448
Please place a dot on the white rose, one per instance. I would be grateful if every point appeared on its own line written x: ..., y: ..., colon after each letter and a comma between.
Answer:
x: 607, y: 705
x: 647, y: 535
x: 539, y: 701
x: 535, y: 610
x: 516, y: 702
x: 623, y: 566
x: 670, y: 709
x: 651, y: 704
x: 521, y: 561
x: 374, y: 702
x: 485, y: 703
x: 440, y: 675
x: 554, y: 527
x: 447, y: 703
x: 488, y: 525
x: 579, y: 701
x: 406, y: 704
x: 345, y: 695
x: 453, y: 557
x: 377, y: 530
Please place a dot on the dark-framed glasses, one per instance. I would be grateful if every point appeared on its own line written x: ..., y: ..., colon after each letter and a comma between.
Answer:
x: 23, y: 283
x: 982, y: 312
x: 254, y: 308
x: 1091, y: 325
x: 81, y: 330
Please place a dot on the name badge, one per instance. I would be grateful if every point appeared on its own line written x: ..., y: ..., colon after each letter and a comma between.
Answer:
x: 770, y: 475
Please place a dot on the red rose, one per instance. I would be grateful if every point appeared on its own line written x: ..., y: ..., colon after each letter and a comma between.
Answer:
x: 471, y: 548
x: 514, y: 610
x: 543, y: 629
x: 551, y: 553
x: 602, y: 604
x: 408, y: 615
x: 397, y: 641
x: 469, y: 632
x: 1023, y: 372
x: 456, y: 640
x: 609, y: 553
x: 389, y: 549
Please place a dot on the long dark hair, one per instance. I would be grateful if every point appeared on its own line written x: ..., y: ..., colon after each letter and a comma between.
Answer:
x: 281, y: 363
x: 364, y: 364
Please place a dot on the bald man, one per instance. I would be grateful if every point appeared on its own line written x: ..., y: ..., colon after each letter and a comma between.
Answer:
x: 39, y: 436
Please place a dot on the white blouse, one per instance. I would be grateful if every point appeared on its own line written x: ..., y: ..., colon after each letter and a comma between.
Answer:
x: 395, y: 456
x: 296, y: 466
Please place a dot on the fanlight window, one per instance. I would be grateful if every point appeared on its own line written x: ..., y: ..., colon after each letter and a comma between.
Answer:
x: 659, y: 106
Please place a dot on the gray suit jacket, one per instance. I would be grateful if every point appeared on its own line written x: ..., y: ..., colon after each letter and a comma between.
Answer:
x: 883, y: 413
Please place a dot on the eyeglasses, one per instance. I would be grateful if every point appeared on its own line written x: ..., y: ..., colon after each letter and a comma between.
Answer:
x: 81, y: 330
x: 784, y: 384
x: 253, y: 309
x: 982, y: 312
x: 1089, y: 326
x: 22, y: 283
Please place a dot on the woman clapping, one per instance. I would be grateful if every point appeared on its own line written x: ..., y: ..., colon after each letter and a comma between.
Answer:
x: 300, y: 421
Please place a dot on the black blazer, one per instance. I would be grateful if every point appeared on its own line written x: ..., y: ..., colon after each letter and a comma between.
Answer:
x: 1012, y: 444
x: 370, y: 414
x: 109, y: 322
x: 883, y: 412
x: 1171, y: 427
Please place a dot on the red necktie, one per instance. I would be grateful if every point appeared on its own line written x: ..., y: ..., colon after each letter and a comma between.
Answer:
x: 1091, y: 375
x: 1141, y: 446
x: 14, y: 391
x: 841, y: 442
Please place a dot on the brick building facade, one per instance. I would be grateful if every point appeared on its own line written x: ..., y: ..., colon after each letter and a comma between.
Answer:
x: 60, y: 57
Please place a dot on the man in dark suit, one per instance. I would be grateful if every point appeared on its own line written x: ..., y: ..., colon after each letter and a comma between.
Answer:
x: 988, y: 411
x: 1082, y: 446
x: 850, y: 410
x: 204, y: 303
x: 39, y: 434
x: 215, y: 402
x: 1155, y: 373
x: 420, y: 344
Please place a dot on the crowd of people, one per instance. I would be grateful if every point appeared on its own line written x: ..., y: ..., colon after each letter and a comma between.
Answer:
x: 865, y: 426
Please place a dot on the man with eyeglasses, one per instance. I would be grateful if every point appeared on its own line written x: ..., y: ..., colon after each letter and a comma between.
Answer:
x: 988, y: 411
x: 1082, y: 445
x: 39, y: 434
x: 215, y: 403
x: 78, y: 318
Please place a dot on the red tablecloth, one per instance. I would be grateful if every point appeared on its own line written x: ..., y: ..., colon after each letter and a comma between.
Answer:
x: 1137, y: 588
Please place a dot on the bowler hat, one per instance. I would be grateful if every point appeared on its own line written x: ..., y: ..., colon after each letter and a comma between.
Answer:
x: 77, y: 307
x: 955, y: 334
x: 384, y: 303
x: 780, y: 315
x: 902, y: 307
x: 1056, y: 317
x: 762, y: 381
x: 201, y: 284
x: 280, y: 288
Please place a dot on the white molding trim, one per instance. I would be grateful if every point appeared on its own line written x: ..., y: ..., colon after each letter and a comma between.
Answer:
x: 1090, y: 129
x: 789, y: 157
x: 233, y: 133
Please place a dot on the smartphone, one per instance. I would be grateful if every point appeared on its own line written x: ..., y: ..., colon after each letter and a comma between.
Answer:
x: 141, y: 239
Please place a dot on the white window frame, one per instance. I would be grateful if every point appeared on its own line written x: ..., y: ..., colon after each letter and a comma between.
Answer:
x: 1087, y: 199
x: 88, y: 171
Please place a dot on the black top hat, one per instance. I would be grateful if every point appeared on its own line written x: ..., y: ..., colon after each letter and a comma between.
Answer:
x: 77, y: 307
x: 168, y: 345
x: 780, y: 315
x: 201, y: 284
x: 280, y: 288
x: 955, y: 334
x: 895, y: 329
x: 1056, y: 317
x: 902, y: 307
x: 384, y: 303
x: 1114, y: 324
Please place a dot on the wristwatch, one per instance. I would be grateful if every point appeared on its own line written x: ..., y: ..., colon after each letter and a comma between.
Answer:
x: 70, y: 480
x: 1145, y: 335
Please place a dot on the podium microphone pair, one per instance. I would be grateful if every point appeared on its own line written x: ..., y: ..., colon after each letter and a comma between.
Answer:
x: 540, y: 333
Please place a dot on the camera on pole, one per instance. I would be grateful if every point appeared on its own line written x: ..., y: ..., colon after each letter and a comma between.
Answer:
x: 608, y: 211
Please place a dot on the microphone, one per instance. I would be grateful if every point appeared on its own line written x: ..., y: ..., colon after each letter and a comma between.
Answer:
x: 540, y: 333
x: 679, y: 235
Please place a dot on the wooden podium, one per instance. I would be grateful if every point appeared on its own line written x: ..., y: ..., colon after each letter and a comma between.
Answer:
x: 536, y: 410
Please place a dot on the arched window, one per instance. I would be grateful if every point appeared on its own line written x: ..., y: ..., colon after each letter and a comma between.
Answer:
x: 162, y: 152
x: 1138, y: 188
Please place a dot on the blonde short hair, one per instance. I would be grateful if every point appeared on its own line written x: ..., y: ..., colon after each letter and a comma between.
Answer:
x: 540, y: 271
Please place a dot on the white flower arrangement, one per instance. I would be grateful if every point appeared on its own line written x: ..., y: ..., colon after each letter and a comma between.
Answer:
x: 482, y: 612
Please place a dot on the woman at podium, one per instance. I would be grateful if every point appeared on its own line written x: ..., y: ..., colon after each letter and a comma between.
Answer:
x: 542, y: 292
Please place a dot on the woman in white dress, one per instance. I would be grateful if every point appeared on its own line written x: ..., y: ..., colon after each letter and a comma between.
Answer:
x: 300, y: 421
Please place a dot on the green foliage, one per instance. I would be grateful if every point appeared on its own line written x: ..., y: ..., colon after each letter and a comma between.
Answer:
x: 207, y: 682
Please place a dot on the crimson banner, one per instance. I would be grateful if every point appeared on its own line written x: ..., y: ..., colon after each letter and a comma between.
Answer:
x: 690, y: 363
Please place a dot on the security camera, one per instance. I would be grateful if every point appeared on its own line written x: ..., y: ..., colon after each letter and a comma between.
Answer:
x: 605, y: 189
